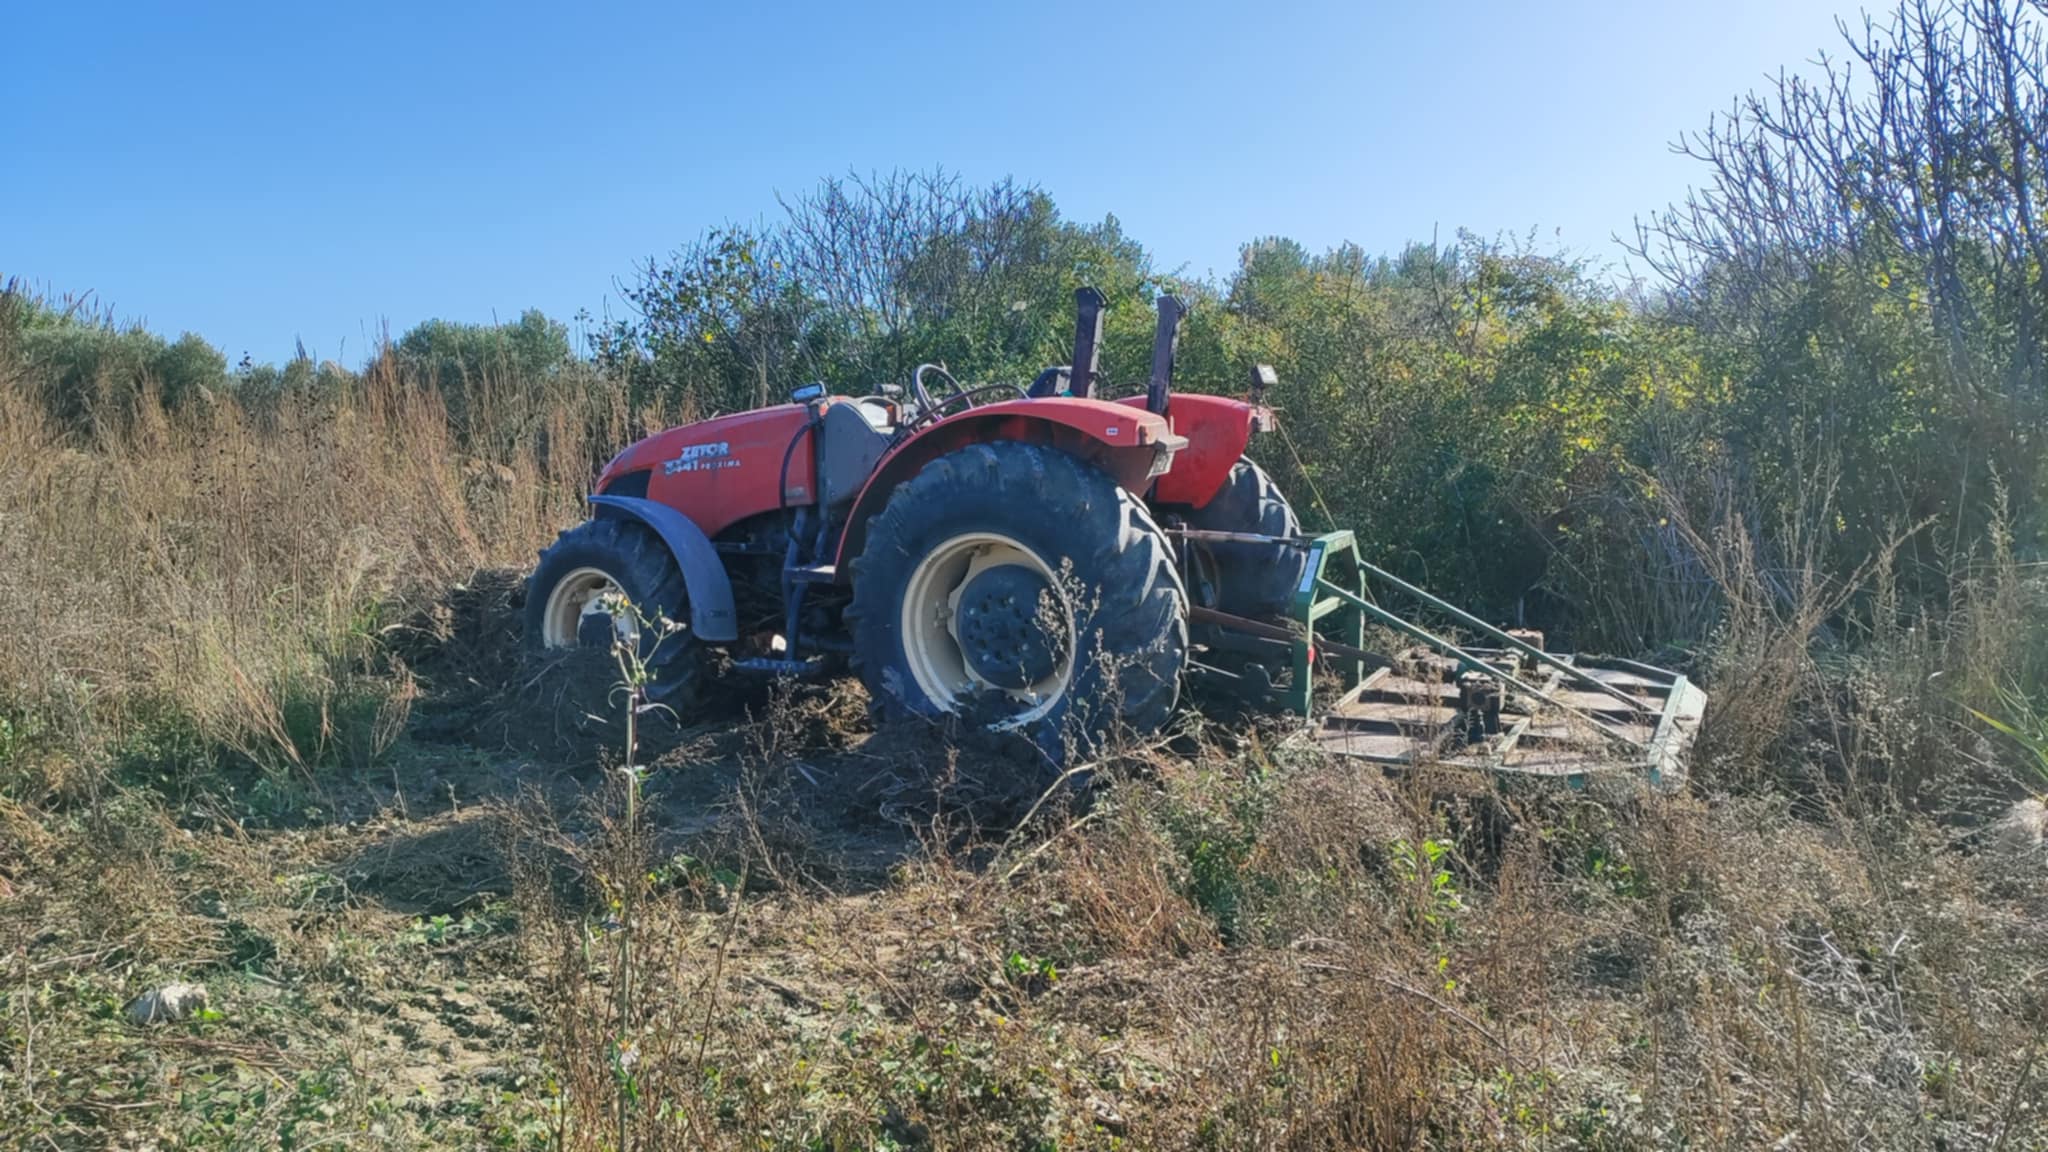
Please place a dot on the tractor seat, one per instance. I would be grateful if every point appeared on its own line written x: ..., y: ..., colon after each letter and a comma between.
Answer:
x: 852, y: 439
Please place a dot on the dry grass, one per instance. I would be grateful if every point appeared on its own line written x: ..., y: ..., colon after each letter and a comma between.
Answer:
x: 238, y: 566
x: 1630, y: 970
x: 1636, y: 970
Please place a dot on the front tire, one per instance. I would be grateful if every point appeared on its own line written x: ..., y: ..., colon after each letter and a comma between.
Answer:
x: 1014, y: 584
x: 565, y: 601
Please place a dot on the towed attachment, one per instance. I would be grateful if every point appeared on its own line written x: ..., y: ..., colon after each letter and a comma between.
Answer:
x: 1511, y: 706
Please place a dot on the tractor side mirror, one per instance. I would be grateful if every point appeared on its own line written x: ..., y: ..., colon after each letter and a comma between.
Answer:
x: 804, y: 394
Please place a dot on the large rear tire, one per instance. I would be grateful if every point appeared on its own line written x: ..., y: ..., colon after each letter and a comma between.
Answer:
x: 1015, y: 585
x: 1250, y: 579
x: 565, y: 598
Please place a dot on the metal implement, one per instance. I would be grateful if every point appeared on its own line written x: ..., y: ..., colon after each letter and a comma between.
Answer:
x: 1468, y: 661
x: 1514, y: 707
x: 1507, y: 638
x: 1411, y: 714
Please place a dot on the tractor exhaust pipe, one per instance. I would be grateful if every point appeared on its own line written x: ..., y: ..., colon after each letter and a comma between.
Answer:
x: 1165, y: 342
x: 1087, y: 365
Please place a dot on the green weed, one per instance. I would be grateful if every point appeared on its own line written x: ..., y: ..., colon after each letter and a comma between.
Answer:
x: 2026, y: 724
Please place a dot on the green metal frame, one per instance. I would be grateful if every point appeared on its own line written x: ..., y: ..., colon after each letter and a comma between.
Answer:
x: 1323, y: 602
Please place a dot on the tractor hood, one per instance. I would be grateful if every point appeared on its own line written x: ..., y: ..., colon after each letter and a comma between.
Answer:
x: 659, y: 447
x: 722, y: 470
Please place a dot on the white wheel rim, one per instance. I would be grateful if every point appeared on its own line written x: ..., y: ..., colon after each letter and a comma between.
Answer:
x: 578, y: 595
x: 930, y: 648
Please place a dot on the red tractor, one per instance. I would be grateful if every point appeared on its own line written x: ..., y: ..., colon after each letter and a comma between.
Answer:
x: 1043, y: 561
x: 994, y: 551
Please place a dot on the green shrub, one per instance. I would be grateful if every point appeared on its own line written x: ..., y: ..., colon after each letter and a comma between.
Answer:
x: 94, y: 374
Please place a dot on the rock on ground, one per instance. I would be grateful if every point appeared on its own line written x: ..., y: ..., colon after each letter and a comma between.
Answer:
x: 2023, y: 828
x: 170, y: 1002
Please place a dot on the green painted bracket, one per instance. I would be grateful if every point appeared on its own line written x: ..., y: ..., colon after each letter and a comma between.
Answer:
x: 1334, y: 566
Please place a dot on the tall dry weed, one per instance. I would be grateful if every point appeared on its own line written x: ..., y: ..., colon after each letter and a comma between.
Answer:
x: 238, y: 565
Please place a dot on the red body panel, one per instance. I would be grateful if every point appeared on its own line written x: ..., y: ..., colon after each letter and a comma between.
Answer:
x: 1217, y: 429
x: 1113, y: 424
x: 1112, y: 437
x: 723, y: 470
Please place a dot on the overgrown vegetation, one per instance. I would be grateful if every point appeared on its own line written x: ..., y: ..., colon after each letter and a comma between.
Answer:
x: 263, y: 723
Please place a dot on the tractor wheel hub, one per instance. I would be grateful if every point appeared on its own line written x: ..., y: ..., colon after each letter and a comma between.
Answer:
x: 1001, y: 622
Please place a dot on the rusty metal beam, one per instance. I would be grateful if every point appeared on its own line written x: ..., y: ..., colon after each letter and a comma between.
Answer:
x: 1200, y: 615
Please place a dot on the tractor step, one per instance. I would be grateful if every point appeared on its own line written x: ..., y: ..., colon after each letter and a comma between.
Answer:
x: 817, y: 574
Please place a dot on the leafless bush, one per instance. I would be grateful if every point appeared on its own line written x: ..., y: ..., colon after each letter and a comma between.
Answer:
x: 1928, y: 139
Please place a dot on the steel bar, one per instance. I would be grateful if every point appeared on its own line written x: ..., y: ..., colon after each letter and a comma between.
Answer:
x: 1527, y: 649
x: 1238, y: 537
x: 1264, y: 631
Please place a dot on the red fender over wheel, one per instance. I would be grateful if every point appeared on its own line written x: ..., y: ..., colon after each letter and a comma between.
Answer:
x: 1217, y: 430
x: 1130, y: 446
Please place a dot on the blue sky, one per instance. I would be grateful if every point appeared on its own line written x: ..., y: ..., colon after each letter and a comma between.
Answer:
x: 269, y: 172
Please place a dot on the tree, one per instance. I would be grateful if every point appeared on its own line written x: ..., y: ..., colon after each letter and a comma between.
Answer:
x: 863, y: 279
x: 454, y: 356
x: 93, y: 373
x: 1865, y: 266
x: 1470, y: 410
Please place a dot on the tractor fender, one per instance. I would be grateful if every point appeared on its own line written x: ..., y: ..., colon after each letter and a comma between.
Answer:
x: 710, y: 589
x: 1131, y: 445
x: 1218, y: 429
